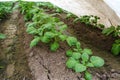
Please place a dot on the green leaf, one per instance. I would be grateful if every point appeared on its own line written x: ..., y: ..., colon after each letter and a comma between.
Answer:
x: 85, y: 57
x: 32, y: 24
x: 71, y: 41
x: 31, y: 30
x: 55, y: 19
x: 80, y: 67
x: 102, y: 26
x: 78, y: 45
x: 88, y: 51
x: 69, y: 15
x: 1, y: 67
x: 34, y: 41
x: 71, y: 63
x: 116, y: 49
x: 97, y: 61
x: 54, y: 46
x: 60, y: 23
x: 108, y: 31
x: 48, y: 26
x: 49, y: 34
x: 88, y: 76
x: 2, y: 36
x: 69, y: 53
x: 117, y: 41
x: 90, y: 65
x: 76, y: 55
x: 59, y: 10
x: 63, y: 27
x: 76, y: 20
x: 45, y: 39
x: 63, y: 37
x: 116, y: 33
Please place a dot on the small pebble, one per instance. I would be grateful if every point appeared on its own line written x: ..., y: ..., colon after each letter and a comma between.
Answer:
x: 82, y: 79
x: 98, y: 75
x: 112, y: 70
x: 114, y: 75
x: 104, y: 77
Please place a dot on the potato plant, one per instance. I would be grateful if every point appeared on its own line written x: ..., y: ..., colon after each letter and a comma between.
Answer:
x: 5, y: 9
x: 115, y: 32
x: 50, y: 30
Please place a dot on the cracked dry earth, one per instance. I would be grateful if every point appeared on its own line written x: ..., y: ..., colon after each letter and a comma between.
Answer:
x: 39, y: 63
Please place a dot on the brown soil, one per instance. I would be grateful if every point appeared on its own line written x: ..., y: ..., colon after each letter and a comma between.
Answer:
x: 47, y: 65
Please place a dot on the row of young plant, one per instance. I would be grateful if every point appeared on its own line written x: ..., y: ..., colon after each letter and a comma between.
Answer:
x: 50, y: 30
x: 90, y: 20
x: 112, y: 30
